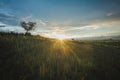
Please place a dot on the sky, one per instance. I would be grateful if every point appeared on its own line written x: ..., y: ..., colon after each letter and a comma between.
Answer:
x: 62, y: 18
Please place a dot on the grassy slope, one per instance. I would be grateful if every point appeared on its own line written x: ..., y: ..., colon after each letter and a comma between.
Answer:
x: 36, y: 58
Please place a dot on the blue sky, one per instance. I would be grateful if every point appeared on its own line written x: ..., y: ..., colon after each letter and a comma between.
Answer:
x: 68, y: 18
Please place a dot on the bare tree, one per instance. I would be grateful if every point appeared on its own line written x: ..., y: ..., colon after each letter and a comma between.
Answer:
x: 28, y: 26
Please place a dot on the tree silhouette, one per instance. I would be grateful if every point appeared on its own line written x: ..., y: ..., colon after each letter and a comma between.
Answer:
x: 28, y: 26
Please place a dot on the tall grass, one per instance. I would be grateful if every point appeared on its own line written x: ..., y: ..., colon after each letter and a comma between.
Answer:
x: 26, y: 57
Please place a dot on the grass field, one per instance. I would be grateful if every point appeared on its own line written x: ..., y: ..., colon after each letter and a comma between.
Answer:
x: 25, y: 57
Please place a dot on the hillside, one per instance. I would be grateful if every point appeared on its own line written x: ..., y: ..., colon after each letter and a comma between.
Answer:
x: 27, y: 57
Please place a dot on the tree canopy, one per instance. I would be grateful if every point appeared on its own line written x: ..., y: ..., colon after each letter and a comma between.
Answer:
x: 28, y: 26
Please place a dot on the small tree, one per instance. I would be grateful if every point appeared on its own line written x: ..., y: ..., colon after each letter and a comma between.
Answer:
x: 28, y: 26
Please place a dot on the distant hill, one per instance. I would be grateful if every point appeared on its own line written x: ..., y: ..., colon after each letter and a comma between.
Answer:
x: 100, y: 38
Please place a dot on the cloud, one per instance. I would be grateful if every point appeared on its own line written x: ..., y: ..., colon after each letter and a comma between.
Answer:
x: 90, y: 26
x: 2, y: 24
x: 112, y: 16
x: 9, y: 28
x: 7, y: 17
x: 41, y: 23
x: 108, y: 20
x: 25, y: 18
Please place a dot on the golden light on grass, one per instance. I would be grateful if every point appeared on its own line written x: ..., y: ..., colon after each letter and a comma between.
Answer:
x: 61, y: 48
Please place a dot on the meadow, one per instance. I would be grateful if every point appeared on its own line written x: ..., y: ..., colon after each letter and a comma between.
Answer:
x: 27, y: 57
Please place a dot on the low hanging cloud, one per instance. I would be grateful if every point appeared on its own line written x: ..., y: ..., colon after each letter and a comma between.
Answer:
x: 108, y: 20
x: 9, y: 28
x: 92, y: 26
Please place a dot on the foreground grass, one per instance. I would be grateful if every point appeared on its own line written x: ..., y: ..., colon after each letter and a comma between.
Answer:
x: 37, y: 58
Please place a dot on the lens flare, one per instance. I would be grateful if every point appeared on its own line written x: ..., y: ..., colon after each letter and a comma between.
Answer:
x: 60, y: 36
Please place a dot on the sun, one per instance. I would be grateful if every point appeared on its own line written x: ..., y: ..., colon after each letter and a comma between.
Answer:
x: 57, y: 36
x: 61, y: 37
